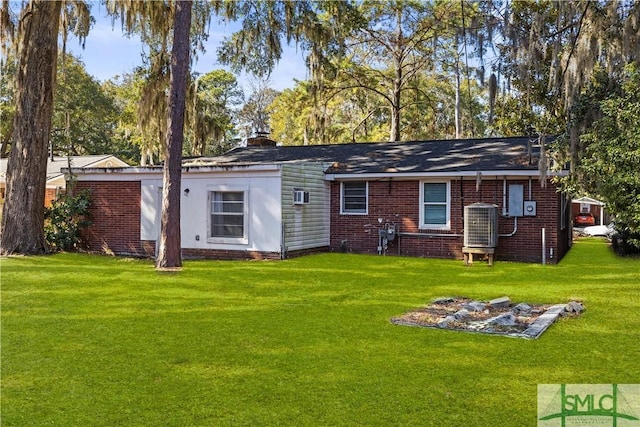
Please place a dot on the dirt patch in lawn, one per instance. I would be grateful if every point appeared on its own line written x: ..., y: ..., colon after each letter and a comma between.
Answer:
x: 498, y: 316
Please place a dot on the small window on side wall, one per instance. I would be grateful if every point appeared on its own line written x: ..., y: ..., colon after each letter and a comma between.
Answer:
x: 227, y: 215
x: 354, y: 197
x: 435, y: 212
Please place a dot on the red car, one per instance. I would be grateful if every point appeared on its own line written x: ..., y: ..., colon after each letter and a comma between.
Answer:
x: 584, y: 219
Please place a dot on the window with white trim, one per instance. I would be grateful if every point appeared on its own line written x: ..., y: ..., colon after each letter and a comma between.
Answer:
x: 354, y: 197
x: 435, y: 201
x: 227, y: 221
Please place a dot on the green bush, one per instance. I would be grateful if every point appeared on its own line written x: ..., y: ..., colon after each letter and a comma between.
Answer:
x: 625, y: 241
x: 64, y: 219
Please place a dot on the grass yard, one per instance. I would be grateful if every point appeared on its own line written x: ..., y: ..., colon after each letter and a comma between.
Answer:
x: 99, y: 341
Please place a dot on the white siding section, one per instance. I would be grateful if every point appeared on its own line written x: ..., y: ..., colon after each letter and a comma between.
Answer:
x: 150, y: 205
x: 262, y: 189
x: 263, y: 209
x: 272, y: 216
x: 306, y: 226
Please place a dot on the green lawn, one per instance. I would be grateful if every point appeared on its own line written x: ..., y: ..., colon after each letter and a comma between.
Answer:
x: 99, y: 341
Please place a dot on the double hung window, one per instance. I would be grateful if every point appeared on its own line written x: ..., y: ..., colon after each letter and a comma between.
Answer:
x: 227, y: 215
x: 435, y: 202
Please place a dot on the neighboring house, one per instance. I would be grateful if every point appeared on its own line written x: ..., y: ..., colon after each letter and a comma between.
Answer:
x: 410, y: 198
x: 56, y: 180
x: 592, y: 206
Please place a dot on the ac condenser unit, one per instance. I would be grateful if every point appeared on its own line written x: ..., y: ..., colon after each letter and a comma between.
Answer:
x: 480, y: 225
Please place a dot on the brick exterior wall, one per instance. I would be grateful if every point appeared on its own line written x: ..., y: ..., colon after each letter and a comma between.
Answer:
x: 115, y: 229
x: 115, y: 217
x: 398, y: 202
x: 192, y: 253
x: 50, y: 194
x: 115, y: 213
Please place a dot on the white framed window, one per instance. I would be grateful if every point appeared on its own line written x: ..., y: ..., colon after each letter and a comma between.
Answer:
x: 228, y: 215
x: 354, y: 197
x: 435, y: 205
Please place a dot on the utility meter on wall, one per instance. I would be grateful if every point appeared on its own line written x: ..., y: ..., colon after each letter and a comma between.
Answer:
x: 530, y: 208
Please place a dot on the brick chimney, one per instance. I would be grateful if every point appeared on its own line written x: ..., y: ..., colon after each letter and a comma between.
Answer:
x: 261, y: 139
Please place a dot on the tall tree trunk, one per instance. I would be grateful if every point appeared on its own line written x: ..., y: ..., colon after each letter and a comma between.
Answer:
x: 396, y: 91
x: 170, y: 248
x: 22, y: 229
x: 457, y: 102
x: 396, y: 103
x: 457, y: 113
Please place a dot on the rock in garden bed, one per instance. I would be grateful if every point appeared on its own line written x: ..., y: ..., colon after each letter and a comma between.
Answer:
x: 497, y: 316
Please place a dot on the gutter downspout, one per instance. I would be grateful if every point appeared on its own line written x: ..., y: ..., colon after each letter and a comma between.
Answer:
x: 283, y: 248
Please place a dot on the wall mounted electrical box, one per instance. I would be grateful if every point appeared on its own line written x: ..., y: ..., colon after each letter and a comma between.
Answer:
x: 516, y: 199
x: 529, y: 208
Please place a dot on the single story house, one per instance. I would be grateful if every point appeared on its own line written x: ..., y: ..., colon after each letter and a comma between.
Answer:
x: 56, y: 179
x: 423, y: 198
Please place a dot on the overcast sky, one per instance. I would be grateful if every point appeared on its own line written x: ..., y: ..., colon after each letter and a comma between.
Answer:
x: 109, y: 53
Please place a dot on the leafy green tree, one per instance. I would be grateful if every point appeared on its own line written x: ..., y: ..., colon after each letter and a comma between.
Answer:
x: 389, y: 53
x: 317, y: 26
x: 210, y: 112
x: 7, y: 104
x: 125, y: 91
x: 254, y: 115
x: 550, y: 49
x: 287, y: 128
x: 610, y: 163
x: 84, y: 115
x: 140, y: 99
x: 511, y: 119
x: 208, y: 122
x: 356, y: 114
x: 170, y: 28
x: 345, y: 117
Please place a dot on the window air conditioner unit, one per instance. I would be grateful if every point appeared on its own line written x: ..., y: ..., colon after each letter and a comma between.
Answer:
x: 300, y: 197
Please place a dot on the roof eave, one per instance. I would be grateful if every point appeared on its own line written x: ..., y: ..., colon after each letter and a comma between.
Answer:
x: 443, y: 174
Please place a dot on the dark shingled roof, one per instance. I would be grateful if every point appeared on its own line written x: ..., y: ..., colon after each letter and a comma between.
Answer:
x: 459, y: 155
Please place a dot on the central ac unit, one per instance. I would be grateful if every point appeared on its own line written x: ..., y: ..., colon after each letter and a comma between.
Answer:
x: 481, y: 225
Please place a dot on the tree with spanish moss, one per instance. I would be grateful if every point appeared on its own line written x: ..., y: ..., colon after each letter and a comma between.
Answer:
x: 550, y: 50
x: 32, y: 35
x: 209, y: 120
x: 170, y: 255
x: 256, y: 47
